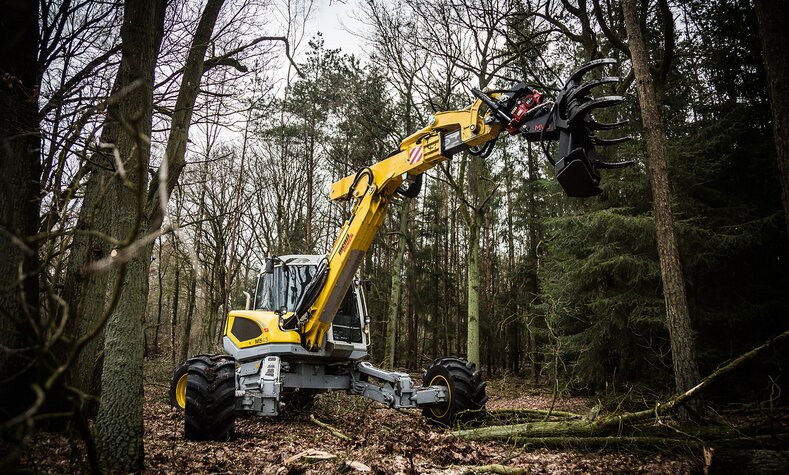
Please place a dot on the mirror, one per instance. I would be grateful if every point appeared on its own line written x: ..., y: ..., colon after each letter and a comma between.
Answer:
x: 249, y: 301
x: 268, y: 265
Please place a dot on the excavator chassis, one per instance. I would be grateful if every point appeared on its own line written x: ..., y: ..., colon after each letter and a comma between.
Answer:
x: 214, y: 389
x: 265, y: 385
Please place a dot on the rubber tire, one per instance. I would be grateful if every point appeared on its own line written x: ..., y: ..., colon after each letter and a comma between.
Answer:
x: 466, y: 392
x: 210, y: 398
x: 179, y: 373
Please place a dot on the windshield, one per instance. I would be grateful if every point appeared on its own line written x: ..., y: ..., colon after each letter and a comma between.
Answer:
x: 282, y: 288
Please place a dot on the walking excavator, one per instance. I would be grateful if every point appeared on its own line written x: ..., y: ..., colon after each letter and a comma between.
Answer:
x: 306, y: 331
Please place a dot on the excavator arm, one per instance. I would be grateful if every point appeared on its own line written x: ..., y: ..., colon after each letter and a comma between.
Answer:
x: 518, y: 111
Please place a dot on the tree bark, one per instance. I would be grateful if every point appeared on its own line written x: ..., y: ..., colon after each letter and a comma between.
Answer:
x: 20, y: 162
x: 85, y: 291
x: 472, y: 338
x: 119, y: 424
x: 393, y: 312
x: 773, y: 19
x: 683, y: 349
x: 176, y: 298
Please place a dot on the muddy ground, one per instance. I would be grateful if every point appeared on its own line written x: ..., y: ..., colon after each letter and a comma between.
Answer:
x: 381, y: 441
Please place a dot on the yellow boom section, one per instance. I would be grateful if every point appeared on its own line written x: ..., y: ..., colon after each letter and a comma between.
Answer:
x: 371, y: 189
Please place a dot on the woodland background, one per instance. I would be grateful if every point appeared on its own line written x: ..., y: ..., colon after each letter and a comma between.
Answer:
x: 97, y: 274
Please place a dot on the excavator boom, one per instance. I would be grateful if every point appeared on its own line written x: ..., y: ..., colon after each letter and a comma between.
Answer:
x: 518, y: 111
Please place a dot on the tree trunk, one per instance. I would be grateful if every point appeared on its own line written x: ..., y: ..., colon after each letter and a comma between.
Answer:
x: 533, y: 318
x: 119, y: 423
x: 773, y: 18
x: 513, y: 308
x: 20, y: 162
x: 184, y: 107
x: 683, y: 350
x: 188, y: 320
x: 85, y: 291
x: 176, y: 298
x: 472, y: 338
x: 393, y: 312
x: 160, y: 294
x: 192, y: 297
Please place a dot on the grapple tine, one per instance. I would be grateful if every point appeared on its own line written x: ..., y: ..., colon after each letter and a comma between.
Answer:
x: 595, y: 125
x: 616, y: 141
x: 614, y: 165
x: 585, y: 108
x: 597, y: 63
x: 569, y: 121
x: 583, y: 89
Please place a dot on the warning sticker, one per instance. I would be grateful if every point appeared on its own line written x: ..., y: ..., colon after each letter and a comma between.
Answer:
x: 416, y: 155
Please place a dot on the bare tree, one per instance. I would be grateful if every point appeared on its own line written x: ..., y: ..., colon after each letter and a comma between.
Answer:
x: 119, y: 422
x: 683, y: 350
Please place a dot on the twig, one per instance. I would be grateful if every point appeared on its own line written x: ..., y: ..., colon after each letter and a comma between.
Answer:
x: 493, y: 468
x: 335, y: 432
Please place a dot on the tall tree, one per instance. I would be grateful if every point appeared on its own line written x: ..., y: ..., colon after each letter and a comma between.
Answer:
x: 773, y: 18
x: 393, y: 312
x: 402, y: 64
x: 683, y: 351
x: 20, y: 145
x: 119, y: 423
x: 175, y: 154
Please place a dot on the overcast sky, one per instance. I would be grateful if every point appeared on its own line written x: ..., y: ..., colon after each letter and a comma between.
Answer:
x: 336, y: 21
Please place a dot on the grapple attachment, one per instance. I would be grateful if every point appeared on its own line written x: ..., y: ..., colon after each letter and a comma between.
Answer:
x: 569, y: 121
x: 577, y: 166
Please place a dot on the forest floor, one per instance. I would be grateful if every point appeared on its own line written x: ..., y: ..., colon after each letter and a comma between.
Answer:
x: 382, y: 440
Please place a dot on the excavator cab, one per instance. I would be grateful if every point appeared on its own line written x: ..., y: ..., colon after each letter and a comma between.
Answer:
x: 286, y: 281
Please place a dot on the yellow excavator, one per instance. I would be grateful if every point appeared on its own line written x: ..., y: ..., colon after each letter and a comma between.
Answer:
x: 306, y: 330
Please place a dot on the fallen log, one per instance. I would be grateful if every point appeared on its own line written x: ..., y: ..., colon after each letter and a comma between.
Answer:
x: 612, y: 424
x: 533, y: 413
x: 605, y: 442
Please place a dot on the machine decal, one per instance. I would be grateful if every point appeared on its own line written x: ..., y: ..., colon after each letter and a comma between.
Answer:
x: 346, y: 242
x: 416, y: 155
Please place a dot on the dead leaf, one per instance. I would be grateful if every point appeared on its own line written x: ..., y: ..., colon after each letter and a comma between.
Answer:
x: 310, y: 456
x: 359, y: 466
